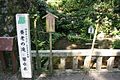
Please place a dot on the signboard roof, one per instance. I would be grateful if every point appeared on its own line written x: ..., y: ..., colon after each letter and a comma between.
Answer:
x: 49, y: 14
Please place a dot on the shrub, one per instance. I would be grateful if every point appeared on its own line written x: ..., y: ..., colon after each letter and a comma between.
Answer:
x: 116, y: 44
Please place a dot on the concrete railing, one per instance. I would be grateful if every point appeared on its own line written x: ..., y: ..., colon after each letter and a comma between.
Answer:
x: 99, y: 53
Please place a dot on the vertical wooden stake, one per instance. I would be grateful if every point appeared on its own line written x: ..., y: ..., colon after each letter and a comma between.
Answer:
x: 38, y: 59
x: 14, y: 61
x: 51, y: 64
x: 2, y: 61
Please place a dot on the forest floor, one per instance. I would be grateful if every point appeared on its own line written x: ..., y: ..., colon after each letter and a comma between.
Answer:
x: 93, y: 75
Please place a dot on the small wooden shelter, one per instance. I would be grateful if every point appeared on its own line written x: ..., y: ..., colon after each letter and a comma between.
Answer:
x: 50, y: 22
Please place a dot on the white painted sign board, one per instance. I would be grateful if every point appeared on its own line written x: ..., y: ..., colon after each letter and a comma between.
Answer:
x: 23, y: 36
x: 91, y: 30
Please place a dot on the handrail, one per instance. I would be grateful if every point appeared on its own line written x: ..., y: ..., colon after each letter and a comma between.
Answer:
x: 99, y: 53
x: 78, y: 52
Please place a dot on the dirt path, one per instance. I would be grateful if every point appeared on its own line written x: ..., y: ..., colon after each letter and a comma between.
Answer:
x: 69, y: 76
x: 83, y: 76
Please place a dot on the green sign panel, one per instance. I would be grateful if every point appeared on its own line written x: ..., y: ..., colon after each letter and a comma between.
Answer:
x: 21, y: 20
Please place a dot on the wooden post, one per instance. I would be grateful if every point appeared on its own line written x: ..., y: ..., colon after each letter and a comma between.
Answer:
x: 75, y: 63
x: 38, y: 58
x: 51, y: 64
x: 2, y: 61
x: 14, y: 61
x: 110, y: 63
x: 50, y: 27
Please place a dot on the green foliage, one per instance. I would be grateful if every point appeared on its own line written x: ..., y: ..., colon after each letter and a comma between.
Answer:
x: 56, y: 36
x: 79, y: 40
x: 104, y: 12
x: 115, y: 32
x: 116, y: 44
x: 75, y: 17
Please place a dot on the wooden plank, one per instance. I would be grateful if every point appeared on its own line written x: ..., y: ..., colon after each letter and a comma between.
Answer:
x: 62, y: 63
x: 110, y: 63
x: 78, y: 52
x: 75, y: 63
x: 99, y: 63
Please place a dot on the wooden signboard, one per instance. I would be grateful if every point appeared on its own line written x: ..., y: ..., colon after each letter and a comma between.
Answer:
x: 50, y: 22
x: 50, y: 27
x: 6, y: 43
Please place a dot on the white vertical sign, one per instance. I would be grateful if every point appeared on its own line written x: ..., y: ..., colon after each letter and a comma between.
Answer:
x: 23, y: 36
x: 91, y: 30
